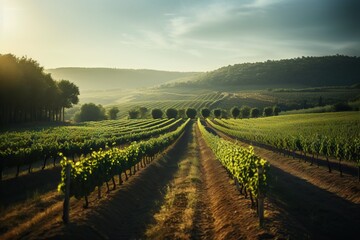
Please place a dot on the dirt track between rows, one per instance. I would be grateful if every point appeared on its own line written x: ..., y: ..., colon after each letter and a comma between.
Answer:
x: 296, y: 208
x: 321, y: 205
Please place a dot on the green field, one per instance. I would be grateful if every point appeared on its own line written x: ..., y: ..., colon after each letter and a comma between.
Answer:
x: 335, y: 135
x: 183, y: 98
x: 26, y: 147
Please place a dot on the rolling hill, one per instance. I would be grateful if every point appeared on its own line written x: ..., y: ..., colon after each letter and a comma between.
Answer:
x: 301, y: 72
x: 112, y: 78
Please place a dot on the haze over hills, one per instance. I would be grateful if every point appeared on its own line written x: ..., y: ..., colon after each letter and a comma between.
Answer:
x: 301, y: 72
x: 296, y: 73
x: 112, y: 78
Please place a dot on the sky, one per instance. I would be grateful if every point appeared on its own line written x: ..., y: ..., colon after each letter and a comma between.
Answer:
x: 176, y: 35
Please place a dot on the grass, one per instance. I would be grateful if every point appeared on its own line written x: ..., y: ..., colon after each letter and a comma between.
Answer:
x: 326, y: 123
x: 175, y: 218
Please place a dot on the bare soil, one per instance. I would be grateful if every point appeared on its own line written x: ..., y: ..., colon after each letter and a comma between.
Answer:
x: 122, y: 213
x: 234, y: 217
x: 186, y: 194
x: 185, y: 213
x: 323, y: 204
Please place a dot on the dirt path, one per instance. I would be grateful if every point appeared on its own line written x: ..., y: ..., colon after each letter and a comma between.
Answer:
x: 184, y: 213
x: 17, y: 190
x: 187, y: 194
x: 120, y: 214
x: 323, y: 204
x: 234, y: 217
x: 202, y: 203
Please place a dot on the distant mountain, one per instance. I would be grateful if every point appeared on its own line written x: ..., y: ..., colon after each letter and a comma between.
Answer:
x: 110, y: 78
x: 299, y: 72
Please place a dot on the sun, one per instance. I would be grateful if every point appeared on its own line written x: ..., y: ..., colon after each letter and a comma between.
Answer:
x: 8, y: 18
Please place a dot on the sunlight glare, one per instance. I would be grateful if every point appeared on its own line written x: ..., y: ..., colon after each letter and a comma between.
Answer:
x: 8, y: 19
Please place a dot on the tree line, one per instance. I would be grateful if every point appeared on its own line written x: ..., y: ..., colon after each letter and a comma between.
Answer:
x: 93, y: 112
x: 235, y: 112
x: 337, y: 70
x: 28, y: 94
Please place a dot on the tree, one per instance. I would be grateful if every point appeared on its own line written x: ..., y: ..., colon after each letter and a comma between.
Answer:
x: 341, y: 106
x: 181, y: 113
x: 54, y: 101
x: 191, y: 113
x: 171, y: 113
x: 245, y: 111
x: 27, y: 93
x: 157, y: 113
x: 113, y: 113
x: 276, y: 110
x: 91, y: 112
x: 217, y: 113
x: 255, y: 112
x: 310, y: 71
x: 205, y: 112
x: 235, y: 112
x: 69, y: 95
x: 143, y: 111
x: 224, y: 113
x: 133, y: 114
x: 268, y: 111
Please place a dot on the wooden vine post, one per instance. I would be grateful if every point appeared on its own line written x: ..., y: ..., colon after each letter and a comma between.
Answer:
x: 260, y: 198
x: 66, y: 206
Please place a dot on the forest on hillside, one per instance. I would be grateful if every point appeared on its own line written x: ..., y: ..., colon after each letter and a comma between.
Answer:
x: 335, y: 70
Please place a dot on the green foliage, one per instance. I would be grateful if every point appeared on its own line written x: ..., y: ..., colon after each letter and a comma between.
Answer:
x: 245, y: 111
x: 100, y: 166
x: 255, y: 112
x: 171, y: 113
x: 224, y: 113
x: 241, y: 162
x: 28, y: 94
x: 191, y: 113
x: 305, y: 71
x: 268, y: 111
x: 91, y: 112
x: 26, y: 147
x: 180, y: 101
x: 157, y: 113
x: 235, y: 112
x: 143, y: 111
x: 133, y: 114
x: 326, y: 134
x: 69, y: 93
x: 181, y: 113
x: 337, y: 107
x: 113, y: 113
x: 276, y: 110
x: 340, y: 107
x: 205, y: 112
x: 217, y: 113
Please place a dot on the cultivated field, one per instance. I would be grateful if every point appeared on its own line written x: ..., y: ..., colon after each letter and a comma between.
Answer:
x: 182, y: 179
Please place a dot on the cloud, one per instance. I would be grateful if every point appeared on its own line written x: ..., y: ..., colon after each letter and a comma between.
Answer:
x: 328, y: 22
x: 195, y: 35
